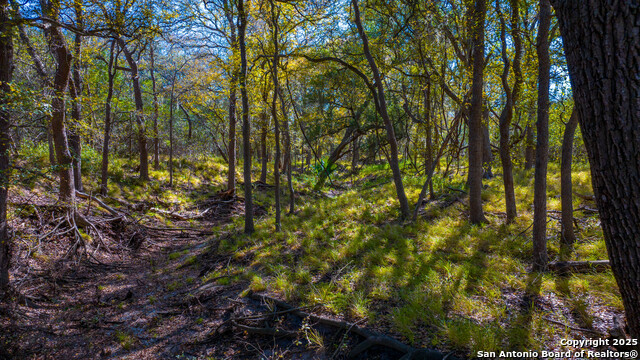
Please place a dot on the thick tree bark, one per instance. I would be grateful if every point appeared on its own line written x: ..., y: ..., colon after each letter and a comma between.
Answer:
x: 487, y: 155
x: 6, y: 72
x: 568, y: 235
x: 507, y: 112
x: 107, y: 121
x: 263, y: 145
x: 137, y: 95
x: 58, y: 46
x: 156, y: 140
x: 382, y: 110
x: 540, y: 257
x: 246, y: 126
x: 476, y: 215
x: 603, y: 52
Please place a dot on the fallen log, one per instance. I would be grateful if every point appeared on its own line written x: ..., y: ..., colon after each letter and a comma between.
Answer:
x: 371, y: 338
x: 564, y: 267
x: 177, y: 216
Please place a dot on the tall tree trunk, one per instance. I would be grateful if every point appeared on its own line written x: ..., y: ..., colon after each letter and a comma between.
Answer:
x: 428, y: 159
x: 512, y: 97
x: 231, y: 176
x: 602, y: 49
x: 75, y: 90
x: 476, y: 215
x: 566, y: 193
x: 58, y: 46
x: 540, y: 257
x: 382, y: 109
x: 171, y: 105
x: 6, y: 72
x: 246, y: 126
x: 137, y: 95
x: 107, y: 121
x: 274, y: 110
x: 156, y: 140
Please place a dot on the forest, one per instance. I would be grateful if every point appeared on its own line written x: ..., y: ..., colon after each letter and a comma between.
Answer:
x: 318, y: 179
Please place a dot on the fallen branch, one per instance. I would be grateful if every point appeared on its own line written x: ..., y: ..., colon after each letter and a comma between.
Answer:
x: 111, y: 210
x: 371, y: 338
x: 575, y: 328
x: 564, y: 267
x: 177, y: 216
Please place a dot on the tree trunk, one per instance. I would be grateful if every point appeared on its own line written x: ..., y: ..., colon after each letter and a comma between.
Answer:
x: 540, y: 257
x: 355, y: 155
x: 107, y: 121
x: 246, y: 126
x: 476, y: 215
x: 137, y: 94
x: 58, y: 46
x: 507, y: 112
x: 263, y: 146
x: 274, y: 110
x: 231, y: 149
x: 156, y: 140
x: 603, y: 53
x: 6, y: 72
x: 171, y: 104
x: 382, y: 110
x: 568, y: 235
x: 75, y: 90
x: 529, y: 149
x: 487, y: 156
x: 428, y: 156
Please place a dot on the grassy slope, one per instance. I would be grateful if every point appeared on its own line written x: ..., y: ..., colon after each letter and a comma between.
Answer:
x: 437, y: 282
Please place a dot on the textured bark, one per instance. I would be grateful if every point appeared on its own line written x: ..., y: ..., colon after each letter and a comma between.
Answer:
x: 6, y: 72
x: 58, y: 46
x: 382, y: 110
x: 156, y: 140
x: 603, y: 52
x: 568, y: 236
x: 246, y: 126
x: 512, y: 96
x: 476, y: 215
x: 137, y: 96
x: 107, y: 121
x: 540, y: 257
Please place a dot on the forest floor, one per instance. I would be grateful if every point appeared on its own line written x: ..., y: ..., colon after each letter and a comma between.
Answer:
x: 171, y: 287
